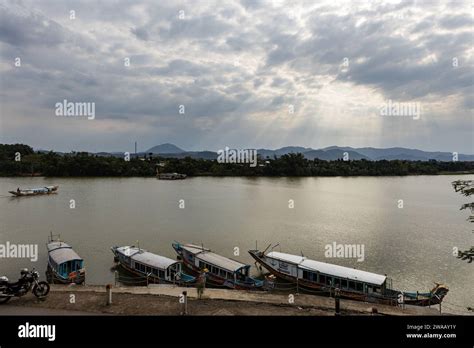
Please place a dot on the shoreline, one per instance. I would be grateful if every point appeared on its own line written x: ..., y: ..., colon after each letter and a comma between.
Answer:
x: 164, y: 300
x: 239, y: 176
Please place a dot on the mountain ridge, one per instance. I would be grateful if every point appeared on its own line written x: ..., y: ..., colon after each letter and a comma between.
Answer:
x: 329, y: 153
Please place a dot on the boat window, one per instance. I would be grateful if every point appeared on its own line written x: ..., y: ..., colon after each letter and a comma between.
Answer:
x: 161, y: 274
x: 142, y: 268
x: 352, y: 285
x: 148, y: 269
x: 137, y: 266
x: 344, y: 283
x: 201, y: 265
x: 328, y: 280
x: 306, y: 275
x: 337, y: 282
x: 222, y: 273
x: 215, y: 270
x: 155, y: 271
x: 322, y: 279
x: 359, y: 287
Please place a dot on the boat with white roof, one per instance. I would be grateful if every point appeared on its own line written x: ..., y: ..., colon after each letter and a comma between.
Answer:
x: 346, y: 282
x: 64, y: 264
x: 220, y: 270
x: 157, y: 268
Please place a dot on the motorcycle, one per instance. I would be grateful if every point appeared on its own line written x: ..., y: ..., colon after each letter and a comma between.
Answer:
x: 28, y: 281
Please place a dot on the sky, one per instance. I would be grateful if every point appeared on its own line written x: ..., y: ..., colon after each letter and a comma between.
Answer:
x: 245, y: 74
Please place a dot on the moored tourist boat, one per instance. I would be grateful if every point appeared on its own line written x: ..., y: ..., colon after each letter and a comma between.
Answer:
x: 157, y: 268
x: 347, y: 282
x: 221, y: 270
x: 46, y: 190
x: 171, y: 176
x: 64, y: 264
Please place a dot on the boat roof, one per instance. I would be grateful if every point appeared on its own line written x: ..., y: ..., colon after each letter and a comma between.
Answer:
x: 146, y: 257
x: 61, y: 252
x: 208, y: 256
x: 327, y: 268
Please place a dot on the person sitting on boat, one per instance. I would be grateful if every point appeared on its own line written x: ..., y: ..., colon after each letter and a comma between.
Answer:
x: 18, y: 190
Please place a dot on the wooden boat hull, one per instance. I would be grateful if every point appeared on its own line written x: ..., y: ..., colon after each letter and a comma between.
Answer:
x: 21, y: 194
x: 54, y: 278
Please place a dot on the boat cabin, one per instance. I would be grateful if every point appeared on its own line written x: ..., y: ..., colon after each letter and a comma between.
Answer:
x: 326, y: 274
x: 217, y: 265
x: 63, y: 260
x: 148, y: 264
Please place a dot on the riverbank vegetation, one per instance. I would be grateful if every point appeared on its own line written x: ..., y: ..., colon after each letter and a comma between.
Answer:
x: 22, y: 160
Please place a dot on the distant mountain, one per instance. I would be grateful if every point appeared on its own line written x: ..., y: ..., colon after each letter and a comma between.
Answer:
x: 208, y: 155
x: 165, y: 148
x: 331, y: 153
x: 401, y: 153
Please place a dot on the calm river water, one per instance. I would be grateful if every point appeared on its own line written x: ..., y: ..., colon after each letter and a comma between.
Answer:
x: 412, y: 245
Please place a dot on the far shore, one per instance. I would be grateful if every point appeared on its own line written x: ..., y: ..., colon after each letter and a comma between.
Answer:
x: 240, y: 176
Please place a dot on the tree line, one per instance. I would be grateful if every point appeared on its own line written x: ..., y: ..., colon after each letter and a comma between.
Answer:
x: 22, y: 160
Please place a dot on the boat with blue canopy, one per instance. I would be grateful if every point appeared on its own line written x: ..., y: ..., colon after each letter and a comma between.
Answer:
x: 64, y: 264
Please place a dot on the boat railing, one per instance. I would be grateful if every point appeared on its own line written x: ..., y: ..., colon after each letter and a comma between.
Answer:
x: 54, y: 237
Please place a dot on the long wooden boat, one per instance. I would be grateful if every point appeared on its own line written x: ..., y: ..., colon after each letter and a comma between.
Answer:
x: 171, y: 176
x: 221, y: 270
x: 64, y: 264
x: 347, y: 282
x: 46, y: 190
x: 157, y: 268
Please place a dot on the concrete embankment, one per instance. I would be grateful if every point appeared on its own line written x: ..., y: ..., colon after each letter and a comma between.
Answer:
x: 164, y: 300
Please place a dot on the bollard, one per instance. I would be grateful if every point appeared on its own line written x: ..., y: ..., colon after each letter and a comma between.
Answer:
x: 337, y: 301
x: 108, y: 289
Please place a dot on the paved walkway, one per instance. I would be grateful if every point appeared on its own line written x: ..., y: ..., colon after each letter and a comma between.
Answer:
x: 300, y: 300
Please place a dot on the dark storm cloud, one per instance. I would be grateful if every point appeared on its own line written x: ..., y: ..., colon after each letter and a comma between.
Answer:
x: 235, y: 66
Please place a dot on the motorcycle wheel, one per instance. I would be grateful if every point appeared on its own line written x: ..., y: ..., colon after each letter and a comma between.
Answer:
x: 4, y: 299
x: 41, y: 290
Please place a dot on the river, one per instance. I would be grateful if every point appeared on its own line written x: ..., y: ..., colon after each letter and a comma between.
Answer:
x: 408, y: 226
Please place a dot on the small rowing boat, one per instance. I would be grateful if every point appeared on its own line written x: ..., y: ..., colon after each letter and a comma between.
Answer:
x: 220, y: 270
x: 64, y: 264
x: 156, y: 268
x: 329, y: 279
x: 46, y: 190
